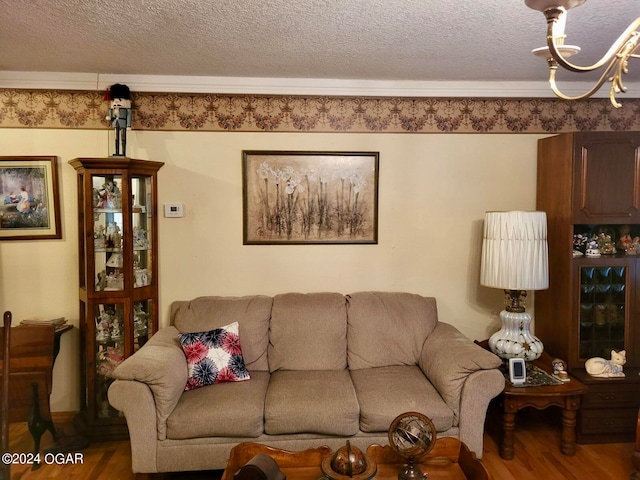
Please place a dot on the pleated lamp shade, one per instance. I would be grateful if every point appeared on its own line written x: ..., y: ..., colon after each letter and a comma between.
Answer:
x: 514, y: 251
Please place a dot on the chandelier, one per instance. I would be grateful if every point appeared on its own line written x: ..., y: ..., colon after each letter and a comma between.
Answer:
x: 614, y: 63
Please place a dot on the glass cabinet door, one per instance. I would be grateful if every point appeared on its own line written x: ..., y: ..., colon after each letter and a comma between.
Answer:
x: 107, y: 233
x: 142, y: 327
x: 141, y: 221
x: 605, y: 302
x: 109, y: 352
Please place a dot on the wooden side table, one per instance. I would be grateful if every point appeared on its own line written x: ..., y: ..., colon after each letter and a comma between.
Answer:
x: 566, y: 396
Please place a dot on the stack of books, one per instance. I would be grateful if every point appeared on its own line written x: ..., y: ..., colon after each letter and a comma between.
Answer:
x: 58, y: 322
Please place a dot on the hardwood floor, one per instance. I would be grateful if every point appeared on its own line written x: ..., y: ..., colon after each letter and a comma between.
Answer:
x: 537, y: 456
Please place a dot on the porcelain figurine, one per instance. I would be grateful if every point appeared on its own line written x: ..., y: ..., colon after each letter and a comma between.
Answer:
x: 102, y: 333
x: 113, y: 236
x: 140, y: 318
x: 592, y: 249
x: 603, y: 368
x: 558, y: 365
x: 606, y: 245
x: 560, y: 369
x: 140, y: 238
x: 99, y: 238
x: 579, y: 244
x: 116, y: 333
x: 141, y: 276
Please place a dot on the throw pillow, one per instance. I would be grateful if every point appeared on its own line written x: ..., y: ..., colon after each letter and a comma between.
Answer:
x: 214, y: 356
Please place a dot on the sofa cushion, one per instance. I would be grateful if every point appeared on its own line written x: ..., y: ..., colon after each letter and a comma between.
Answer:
x: 386, y: 392
x: 251, y: 312
x: 310, y: 401
x: 224, y: 410
x: 308, y: 332
x: 214, y: 356
x: 388, y: 328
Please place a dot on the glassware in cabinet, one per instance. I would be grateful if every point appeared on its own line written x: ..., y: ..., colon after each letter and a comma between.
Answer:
x: 604, y: 303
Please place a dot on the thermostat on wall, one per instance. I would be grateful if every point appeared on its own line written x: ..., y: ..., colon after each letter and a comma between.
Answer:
x: 173, y: 210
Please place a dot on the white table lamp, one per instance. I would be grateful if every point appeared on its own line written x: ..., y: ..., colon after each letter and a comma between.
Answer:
x: 515, y: 258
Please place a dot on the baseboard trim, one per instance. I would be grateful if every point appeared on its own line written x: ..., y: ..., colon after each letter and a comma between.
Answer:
x: 63, y: 418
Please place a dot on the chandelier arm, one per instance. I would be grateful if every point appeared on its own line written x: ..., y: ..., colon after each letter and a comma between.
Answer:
x: 603, y: 78
x: 627, y: 35
x: 617, y: 85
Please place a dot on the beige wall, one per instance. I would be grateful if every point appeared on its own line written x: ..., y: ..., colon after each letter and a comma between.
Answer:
x: 433, y: 192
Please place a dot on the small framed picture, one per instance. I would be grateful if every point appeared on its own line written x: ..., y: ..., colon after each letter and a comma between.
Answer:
x: 29, y: 198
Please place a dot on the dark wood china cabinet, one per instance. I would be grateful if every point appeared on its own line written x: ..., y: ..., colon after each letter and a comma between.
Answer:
x: 589, y: 185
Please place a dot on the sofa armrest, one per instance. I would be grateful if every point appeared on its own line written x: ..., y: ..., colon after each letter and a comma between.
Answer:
x: 478, y: 390
x: 135, y: 399
x: 448, y: 358
x: 162, y: 365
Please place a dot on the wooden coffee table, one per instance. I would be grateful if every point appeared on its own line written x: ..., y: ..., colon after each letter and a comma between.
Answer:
x: 449, y: 459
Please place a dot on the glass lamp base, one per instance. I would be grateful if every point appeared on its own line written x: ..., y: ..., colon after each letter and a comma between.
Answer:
x: 514, y: 339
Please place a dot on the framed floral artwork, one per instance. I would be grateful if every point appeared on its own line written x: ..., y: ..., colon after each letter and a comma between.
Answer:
x: 29, y: 198
x: 294, y: 197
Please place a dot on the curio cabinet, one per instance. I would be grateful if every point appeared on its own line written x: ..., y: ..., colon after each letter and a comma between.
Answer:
x: 118, y: 249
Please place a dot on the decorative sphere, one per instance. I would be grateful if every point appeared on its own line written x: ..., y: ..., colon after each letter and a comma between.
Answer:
x: 349, y: 461
x: 412, y: 434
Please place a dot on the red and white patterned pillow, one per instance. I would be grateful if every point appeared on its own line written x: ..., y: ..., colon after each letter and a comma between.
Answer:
x: 214, y: 356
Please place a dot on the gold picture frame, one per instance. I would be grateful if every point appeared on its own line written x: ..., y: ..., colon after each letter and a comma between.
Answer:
x: 29, y: 198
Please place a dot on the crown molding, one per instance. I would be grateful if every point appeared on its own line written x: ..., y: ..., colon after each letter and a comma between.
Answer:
x: 293, y: 86
x: 48, y: 80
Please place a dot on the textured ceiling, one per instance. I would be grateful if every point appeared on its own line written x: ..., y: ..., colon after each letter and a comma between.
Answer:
x: 392, y: 40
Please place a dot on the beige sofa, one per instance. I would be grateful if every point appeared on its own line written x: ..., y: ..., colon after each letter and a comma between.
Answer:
x: 324, y: 367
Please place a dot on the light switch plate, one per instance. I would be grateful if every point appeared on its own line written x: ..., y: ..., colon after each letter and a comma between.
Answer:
x: 173, y: 210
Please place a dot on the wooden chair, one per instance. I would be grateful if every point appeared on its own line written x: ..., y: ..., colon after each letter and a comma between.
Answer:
x: 5, y: 470
x: 30, y: 368
x: 636, y: 455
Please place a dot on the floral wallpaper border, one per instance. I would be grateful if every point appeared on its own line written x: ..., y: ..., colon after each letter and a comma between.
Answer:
x: 314, y: 113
